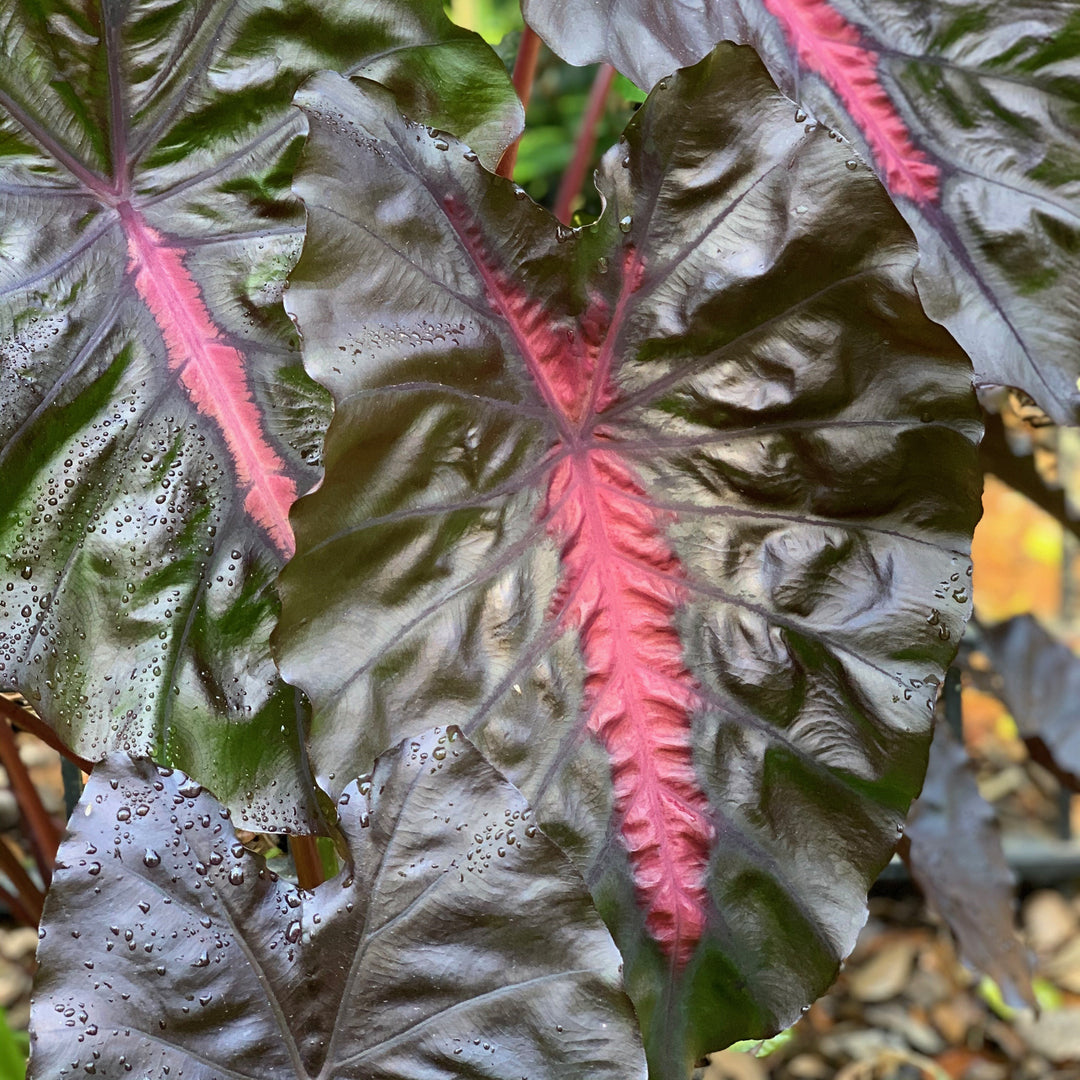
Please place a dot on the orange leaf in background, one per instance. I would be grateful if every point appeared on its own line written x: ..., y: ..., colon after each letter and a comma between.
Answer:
x: 1017, y: 552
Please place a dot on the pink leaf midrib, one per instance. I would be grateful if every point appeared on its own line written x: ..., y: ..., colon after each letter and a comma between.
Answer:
x: 632, y: 653
x: 212, y: 372
x: 619, y: 576
x: 828, y: 45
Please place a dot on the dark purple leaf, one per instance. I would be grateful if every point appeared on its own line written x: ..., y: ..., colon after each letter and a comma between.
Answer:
x: 967, y: 111
x: 157, y: 423
x: 645, y: 41
x: 1041, y: 688
x: 954, y: 852
x: 670, y: 513
x: 459, y: 943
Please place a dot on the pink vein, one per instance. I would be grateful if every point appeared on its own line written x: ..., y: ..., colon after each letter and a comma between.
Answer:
x: 639, y: 693
x: 620, y: 587
x: 827, y: 44
x: 212, y: 373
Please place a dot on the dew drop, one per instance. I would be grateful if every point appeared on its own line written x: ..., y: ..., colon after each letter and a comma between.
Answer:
x: 151, y: 858
x: 626, y: 223
x: 236, y: 875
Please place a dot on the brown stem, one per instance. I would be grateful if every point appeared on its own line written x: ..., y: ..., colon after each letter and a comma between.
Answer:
x: 28, y: 721
x: 305, y: 853
x: 524, y: 73
x: 27, y: 903
x: 1019, y: 472
x: 574, y: 178
x: 41, y: 828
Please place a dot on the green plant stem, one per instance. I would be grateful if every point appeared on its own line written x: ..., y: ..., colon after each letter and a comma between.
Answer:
x: 12, y: 1055
x: 40, y: 826
x: 23, y: 718
x: 26, y: 904
x: 305, y: 853
x: 524, y: 73
x: 574, y: 178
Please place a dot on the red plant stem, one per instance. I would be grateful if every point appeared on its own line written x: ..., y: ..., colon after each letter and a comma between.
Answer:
x: 29, y: 899
x: 41, y: 827
x: 524, y: 73
x: 574, y: 178
x: 305, y: 853
x: 29, y: 721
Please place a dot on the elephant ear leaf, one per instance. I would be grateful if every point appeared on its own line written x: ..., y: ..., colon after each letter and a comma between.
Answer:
x: 1040, y: 684
x: 953, y: 849
x: 157, y: 423
x: 458, y: 942
x: 669, y: 513
x: 969, y: 114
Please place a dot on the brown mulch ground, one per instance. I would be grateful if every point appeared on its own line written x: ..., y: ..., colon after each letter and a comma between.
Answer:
x: 905, y: 1008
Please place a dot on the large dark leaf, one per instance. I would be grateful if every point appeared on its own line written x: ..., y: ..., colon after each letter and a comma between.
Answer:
x: 1041, y: 688
x: 670, y: 513
x: 157, y: 423
x: 969, y: 113
x: 460, y: 943
x: 954, y: 852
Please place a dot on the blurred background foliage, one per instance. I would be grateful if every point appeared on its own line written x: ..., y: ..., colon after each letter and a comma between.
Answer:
x: 555, y: 109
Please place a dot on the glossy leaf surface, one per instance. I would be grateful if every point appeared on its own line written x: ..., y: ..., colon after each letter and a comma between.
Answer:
x: 955, y: 856
x: 670, y: 513
x: 157, y: 422
x: 969, y: 113
x: 1041, y: 688
x: 460, y: 943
